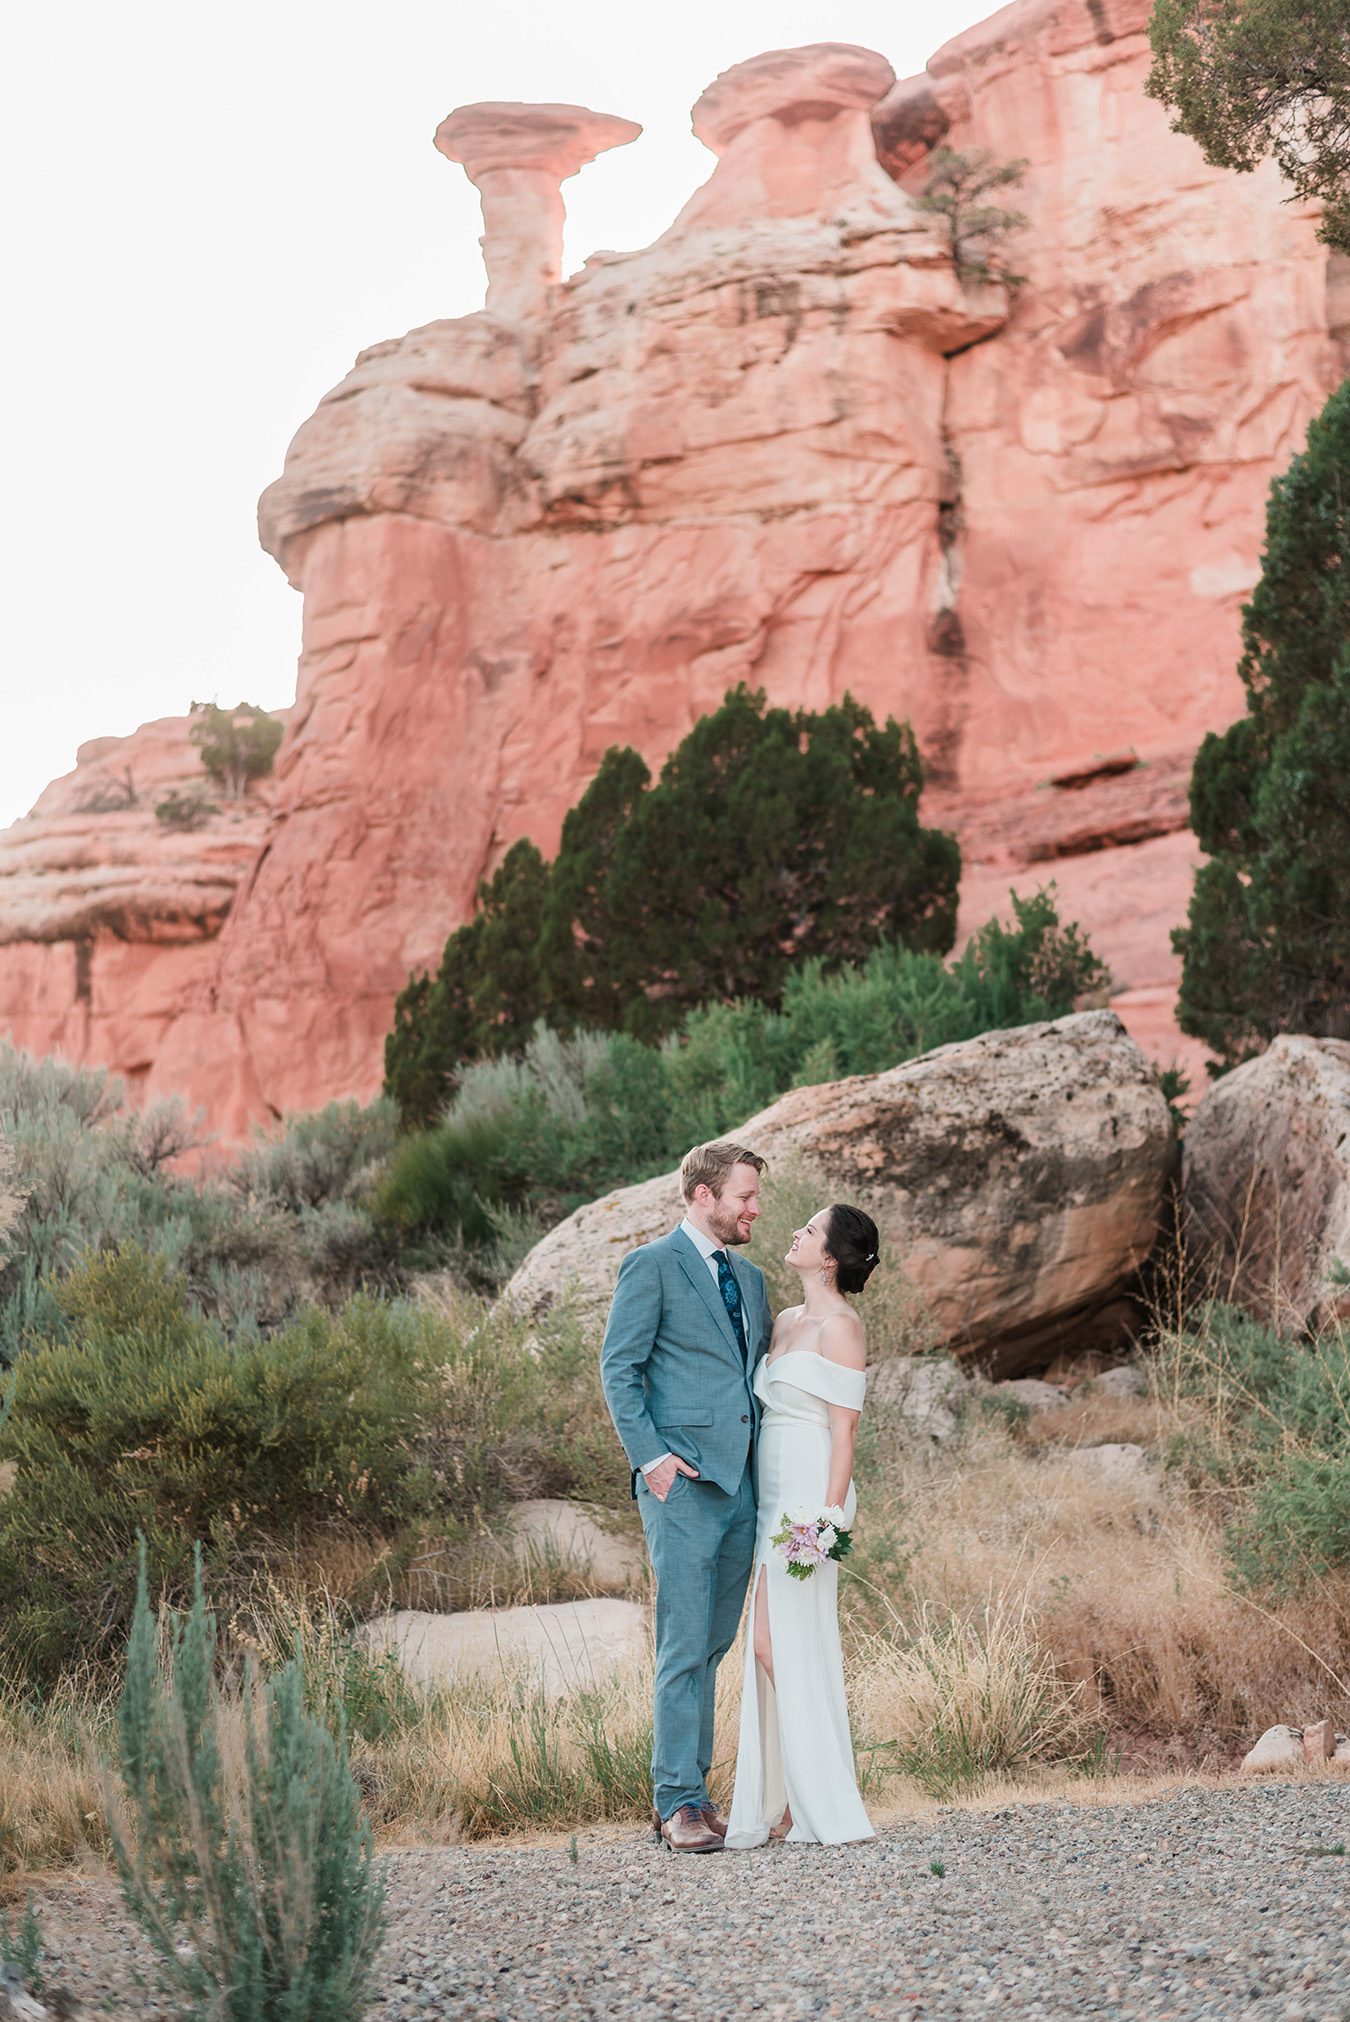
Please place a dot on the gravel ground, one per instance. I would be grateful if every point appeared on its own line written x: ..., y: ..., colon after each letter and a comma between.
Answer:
x: 1202, y: 1903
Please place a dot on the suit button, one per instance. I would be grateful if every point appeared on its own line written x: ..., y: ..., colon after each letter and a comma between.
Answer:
x: 745, y: 1418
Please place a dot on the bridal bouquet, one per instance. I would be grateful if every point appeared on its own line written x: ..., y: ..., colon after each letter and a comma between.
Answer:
x: 804, y: 1542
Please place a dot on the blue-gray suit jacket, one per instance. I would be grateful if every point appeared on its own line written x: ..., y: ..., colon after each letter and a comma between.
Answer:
x: 674, y: 1376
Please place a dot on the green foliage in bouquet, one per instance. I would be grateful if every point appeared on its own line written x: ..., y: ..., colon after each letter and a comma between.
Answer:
x: 772, y: 837
x: 1249, y: 79
x: 237, y: 1832
x: 1266, y: 948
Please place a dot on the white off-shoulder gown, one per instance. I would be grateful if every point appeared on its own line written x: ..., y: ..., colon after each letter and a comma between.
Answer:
x: 795, y: 1748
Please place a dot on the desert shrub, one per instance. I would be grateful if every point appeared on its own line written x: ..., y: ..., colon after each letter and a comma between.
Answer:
x: 89, y: 1172
x: 238, y: 1835
x: 1274, y: 1439
x: 185, y: 812
x: 569, y: 1118
x: 318, y: 1157
x: 796, y: 835
x: 145, y: 1419
x: 237, y: 745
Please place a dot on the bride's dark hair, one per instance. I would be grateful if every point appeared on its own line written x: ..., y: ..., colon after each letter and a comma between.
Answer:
x: 853, y: 1242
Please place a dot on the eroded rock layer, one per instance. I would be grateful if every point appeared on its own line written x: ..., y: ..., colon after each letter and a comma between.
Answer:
x: 786, y: 444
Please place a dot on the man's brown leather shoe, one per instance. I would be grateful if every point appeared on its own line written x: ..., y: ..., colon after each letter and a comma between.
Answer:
x: 688, y: 1831
x: 715, y: 1821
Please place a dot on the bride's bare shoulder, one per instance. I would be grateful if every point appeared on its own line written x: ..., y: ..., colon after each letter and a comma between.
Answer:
x: 786, y: 1318
x: 843, y: 1339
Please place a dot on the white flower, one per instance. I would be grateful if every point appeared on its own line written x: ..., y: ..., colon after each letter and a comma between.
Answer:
x: 829, y: 1537
x: 834, y: 1515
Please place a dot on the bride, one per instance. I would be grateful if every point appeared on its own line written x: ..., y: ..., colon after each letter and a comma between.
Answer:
x: 794, y: 1767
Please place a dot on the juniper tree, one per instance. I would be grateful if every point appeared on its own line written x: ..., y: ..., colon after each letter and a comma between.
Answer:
x: 237, y: 745
x: 958, y: 189
x: 1251, y: 78
x: 1266, y: 948
x: 771, y: 836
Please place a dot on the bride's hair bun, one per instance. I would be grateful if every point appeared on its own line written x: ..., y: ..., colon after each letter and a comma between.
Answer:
x: 853, y: 1242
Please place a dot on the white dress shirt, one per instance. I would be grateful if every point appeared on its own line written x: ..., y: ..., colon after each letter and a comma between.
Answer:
x: 708, y: 1249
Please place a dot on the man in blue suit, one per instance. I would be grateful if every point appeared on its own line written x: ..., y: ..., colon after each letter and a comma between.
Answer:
x: 687, y: 1326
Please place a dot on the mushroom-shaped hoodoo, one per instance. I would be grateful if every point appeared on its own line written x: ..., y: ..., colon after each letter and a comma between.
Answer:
x: 518, y: 156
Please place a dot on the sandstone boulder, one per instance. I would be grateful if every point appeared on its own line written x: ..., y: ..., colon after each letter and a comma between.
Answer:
x: 927, y: 1392
x: 1278, y: 1748
x: 569, y: 1647
x: 1116, y: 1462
x: 1035, y: 1394
x: 549, y: 1529
x: 1266, y: 1183
x: 1018, y: 1179
x: 1126, y: 1380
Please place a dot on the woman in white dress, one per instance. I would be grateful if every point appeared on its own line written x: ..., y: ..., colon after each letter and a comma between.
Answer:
x: 795, y: 1778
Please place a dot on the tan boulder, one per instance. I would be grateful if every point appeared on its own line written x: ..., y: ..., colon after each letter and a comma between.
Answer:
x: 1278, y: 1748
x: 568, y: 1647
x: 927, y: 1392
x: 1018, y: 1179
x: 1266, y: 1183
x: 549, y: 1530
x: 1034, y: 1393
x: 1115, y: 1462
x: 1127, y: 1379
x: 1319, y: 1741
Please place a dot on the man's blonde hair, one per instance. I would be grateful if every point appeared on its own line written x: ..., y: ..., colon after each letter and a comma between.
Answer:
x: 707, y: 1165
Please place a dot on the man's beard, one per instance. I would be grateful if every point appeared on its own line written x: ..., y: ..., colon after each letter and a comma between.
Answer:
x: 725, y: 1226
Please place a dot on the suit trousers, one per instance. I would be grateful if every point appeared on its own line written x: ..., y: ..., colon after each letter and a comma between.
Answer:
x: 702, y: 1544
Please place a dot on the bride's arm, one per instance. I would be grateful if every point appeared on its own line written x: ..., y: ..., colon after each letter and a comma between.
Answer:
x: 842, y: 1340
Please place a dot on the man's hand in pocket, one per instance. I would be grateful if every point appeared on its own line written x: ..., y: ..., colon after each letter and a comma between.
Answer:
x: 661, y: 1480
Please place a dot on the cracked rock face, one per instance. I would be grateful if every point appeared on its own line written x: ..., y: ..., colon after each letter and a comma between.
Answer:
x: 787, y: 444
x: 1017, y: 1179
x: 1266, y: 1184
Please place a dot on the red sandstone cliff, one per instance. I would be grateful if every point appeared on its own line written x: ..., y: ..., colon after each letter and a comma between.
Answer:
x: 783, y: 444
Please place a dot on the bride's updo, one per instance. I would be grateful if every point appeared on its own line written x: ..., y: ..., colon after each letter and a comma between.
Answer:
x: 853, y: 1243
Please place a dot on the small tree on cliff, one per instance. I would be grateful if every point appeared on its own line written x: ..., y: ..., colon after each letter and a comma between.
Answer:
x: 959, y: 185
x: 237, y: 745
x: 1267, y: 945
x: 771, y: 836
x: 1250, y: 78
x: 485, y: 997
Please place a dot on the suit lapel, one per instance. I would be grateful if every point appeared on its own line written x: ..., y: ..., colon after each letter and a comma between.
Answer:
x: 701, y: 1278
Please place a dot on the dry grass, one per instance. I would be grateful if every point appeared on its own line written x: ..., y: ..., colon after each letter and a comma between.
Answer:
x: 51, y: 1803
x: 1125, y: 1584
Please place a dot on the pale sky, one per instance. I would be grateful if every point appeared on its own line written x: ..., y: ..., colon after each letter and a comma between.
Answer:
x: 211, y: 210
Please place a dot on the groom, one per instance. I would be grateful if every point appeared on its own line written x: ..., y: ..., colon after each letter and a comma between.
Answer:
x: 686, y: 1328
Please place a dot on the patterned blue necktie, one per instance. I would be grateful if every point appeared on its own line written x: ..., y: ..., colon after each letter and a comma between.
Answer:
x: 731, y: 1295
